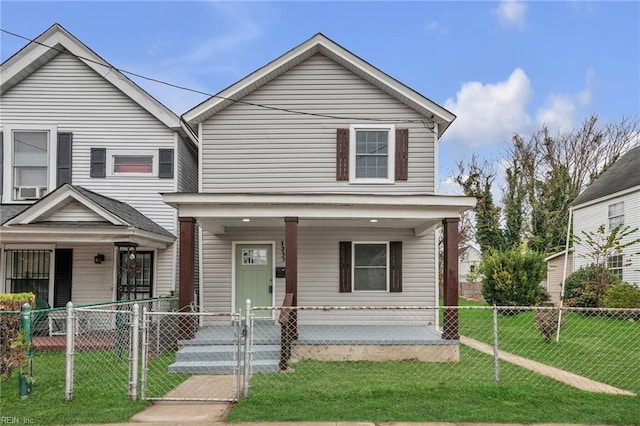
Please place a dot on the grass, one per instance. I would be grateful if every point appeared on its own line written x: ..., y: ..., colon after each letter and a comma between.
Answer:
x: 100, y: 389
x: 412, y: 391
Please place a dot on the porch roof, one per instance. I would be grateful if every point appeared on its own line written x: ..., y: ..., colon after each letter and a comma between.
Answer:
x: 218, y: 211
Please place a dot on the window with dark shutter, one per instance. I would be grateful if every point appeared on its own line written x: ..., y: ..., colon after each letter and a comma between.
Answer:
x: 342, y: 154
x: 345, y: 266
x: 402, y: 154
x: 395, y: 265
x: 165, y: 166
x: 98, y: 163
x: 63, y: 163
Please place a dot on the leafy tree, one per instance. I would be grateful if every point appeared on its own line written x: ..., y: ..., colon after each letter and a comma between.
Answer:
x: 587, y: 286
x: 512, y: 277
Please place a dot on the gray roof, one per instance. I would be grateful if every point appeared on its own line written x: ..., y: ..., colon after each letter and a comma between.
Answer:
x: 124, y: 211
x: 623, y: 174
x: 9, y: 211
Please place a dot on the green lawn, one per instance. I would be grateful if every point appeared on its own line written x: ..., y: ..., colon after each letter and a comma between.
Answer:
x: 100, y: 390
x: 413, y: 391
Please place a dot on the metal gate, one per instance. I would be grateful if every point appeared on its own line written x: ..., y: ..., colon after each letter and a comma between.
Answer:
x: 192, y: 356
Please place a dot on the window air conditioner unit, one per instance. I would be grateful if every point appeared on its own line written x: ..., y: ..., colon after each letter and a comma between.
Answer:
x: 31, y: 192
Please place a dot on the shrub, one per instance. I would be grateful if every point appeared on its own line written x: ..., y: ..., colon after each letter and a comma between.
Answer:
x: 512, y: 277
x: 587, y: 286
x: 11, y: 340
x: 622, y: 295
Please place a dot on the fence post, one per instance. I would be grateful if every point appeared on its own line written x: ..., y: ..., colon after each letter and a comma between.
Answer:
x: 496, y: 365
x: 135, y: 324
x: 248, y: 340
x: 239, y: 338
x: 25, y: 376
x: 145, y: 352
x: 71, y: 333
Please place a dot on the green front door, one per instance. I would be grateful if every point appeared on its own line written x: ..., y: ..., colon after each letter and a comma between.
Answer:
x: 254, y: 276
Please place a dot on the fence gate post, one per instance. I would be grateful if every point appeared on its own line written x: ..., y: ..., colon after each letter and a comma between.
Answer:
x: 71, y: 333
x: 25, y: 376
x: 133, y: 365
x: 248, y: 340
x: 145, y: 352
x: 496, y: 358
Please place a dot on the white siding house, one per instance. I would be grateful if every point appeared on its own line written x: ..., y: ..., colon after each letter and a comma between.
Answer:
x: 81, y: 144
x: 334, y: 182
x: 612, y: 199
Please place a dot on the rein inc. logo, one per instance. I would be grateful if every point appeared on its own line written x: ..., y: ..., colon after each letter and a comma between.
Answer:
x: 6, y: 420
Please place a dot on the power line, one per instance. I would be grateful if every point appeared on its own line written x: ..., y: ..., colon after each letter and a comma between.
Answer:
x: 188, y: 89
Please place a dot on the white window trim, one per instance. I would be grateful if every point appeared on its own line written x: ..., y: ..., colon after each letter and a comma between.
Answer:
x: 620, y: 268
x: 353, y: 267
x: 611, y: 217
x: 391, y: 163
x: 124, y: 152
x: 8, y: 175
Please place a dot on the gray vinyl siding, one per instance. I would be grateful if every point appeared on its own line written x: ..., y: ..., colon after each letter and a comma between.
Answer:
x: 555, y: 273
x: 88, y: 281
x: 72, y: 212
x: 251, y: 149
x: 187, y: 167
x: 318, y: 272
x: 589, y: 218
x: 66, y: 93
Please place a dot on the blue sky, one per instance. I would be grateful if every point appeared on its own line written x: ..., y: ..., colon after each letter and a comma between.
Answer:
x: 501, y: 67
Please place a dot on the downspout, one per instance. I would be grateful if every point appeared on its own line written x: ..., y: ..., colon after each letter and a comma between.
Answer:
x: 564, y: 273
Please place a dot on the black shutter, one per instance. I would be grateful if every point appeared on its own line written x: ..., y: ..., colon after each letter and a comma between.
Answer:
x: 402, y: 154
x: 395, y: 264
x: 342, y: 154
x: 63, y: 165
x: 165, y: 166
x: 1, y: 161
x: 98, y: 163
x: 345, y: 266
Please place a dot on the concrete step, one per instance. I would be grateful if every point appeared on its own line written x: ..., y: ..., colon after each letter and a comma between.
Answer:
x: 225, y: 352
x: 220, y: 367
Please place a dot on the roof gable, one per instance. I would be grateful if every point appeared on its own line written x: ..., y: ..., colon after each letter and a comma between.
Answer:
x: 55, y: 40
x: 320, y: 44
x: 622, y: 175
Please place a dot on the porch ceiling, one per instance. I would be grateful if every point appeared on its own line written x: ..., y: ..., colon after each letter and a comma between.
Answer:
x: 216, y: 212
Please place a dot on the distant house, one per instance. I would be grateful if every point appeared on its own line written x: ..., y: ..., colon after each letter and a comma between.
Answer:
x: 341, y: 199
x: 556, y: 273
x: 612, y: 199
x: 84, y: 155
x: 468, y: 275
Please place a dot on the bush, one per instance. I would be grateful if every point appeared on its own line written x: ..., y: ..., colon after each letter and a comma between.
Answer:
x: 587, y: 286
x: 622, y: 295
x: 11, y: 339
x: 512, y: 277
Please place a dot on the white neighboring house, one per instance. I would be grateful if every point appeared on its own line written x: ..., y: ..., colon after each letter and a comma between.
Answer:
x: 556, y: 273
x: 334, y: 207
x: 469, y: 262
x: 85, y: 154
x: 612, y: 199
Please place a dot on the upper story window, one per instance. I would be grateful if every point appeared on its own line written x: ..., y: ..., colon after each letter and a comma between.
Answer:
x: 616, y: 214
x: 32, y: 153
x: 122, y: 162
x: 372, y: 153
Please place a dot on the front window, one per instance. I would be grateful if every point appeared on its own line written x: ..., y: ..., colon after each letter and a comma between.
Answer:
x: 616, y: 214
x: 28, y: 271
x: 135, y: 279
x: 370, y: 266
x: 372, y: 154
x: 30, y: 159
x: 615, y: 264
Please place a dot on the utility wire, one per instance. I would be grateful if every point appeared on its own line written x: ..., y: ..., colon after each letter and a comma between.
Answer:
x: 200, y: 92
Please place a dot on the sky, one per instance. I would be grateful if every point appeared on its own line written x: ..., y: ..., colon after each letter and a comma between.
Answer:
x: 502, y: 67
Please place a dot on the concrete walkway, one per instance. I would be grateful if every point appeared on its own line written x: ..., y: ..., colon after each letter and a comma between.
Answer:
x: 563, y: 376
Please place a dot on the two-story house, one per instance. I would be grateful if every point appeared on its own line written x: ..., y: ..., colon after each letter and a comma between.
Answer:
x: 85, y: 155
x: 612, y: 199
x: 318, y: 180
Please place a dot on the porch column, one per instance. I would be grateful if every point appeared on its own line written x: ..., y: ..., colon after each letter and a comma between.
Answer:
x: 450, y: 275
x: 291, y: 256
x: 186, y: 269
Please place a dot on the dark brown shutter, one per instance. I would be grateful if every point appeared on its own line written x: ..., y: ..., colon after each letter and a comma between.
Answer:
x: 98, y: 163
x: 63, y: 164
x: 402, y: 154
x: 342, y: 154
x: 165, y: 166
x: 1, y: 160
x: 345, y: 266
x: 395, y: 263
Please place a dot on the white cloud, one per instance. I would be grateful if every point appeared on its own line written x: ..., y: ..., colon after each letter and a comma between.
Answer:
x: 435, y: 26
x: 490, y: 113
x: 449, y: 187
x: 512, y: 13
x: 559, y: 110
